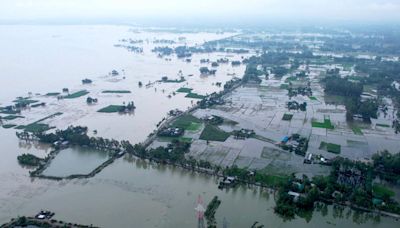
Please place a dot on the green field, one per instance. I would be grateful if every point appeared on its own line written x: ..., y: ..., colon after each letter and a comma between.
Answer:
x: 187, y: 122
x: 37, y: 126
x: 112, y: 109
x: 184, y: 90
x: 169, y: 139
x: 290, y: 79
x: 381, y: 192
x: 326, y: 124
x: 173, y: 80
x: 116, y: 91
x: 6, y: 126
x: 11, y: 117
x: 330, y: 147
x: 195, y: 96
x: 356, y: 130
x: 24, y: 101
x: 9, y: 112
x: 270, y: 180
x: 52, y: 94
x: 212, y: 133
x: 76, y: 94
x: 284, y: 86
x: 287, y: 117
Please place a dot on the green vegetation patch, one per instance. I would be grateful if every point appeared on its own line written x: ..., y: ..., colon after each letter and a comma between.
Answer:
x: 330, y: 147
x: 37, y: 126
x: 6, y: 126
x: 184, y: 90
x: 174, y: 80
x: 284, y: 86
x: 271, y: 180
x: 76, y: 94
x: 382, y: 125
x: 170, y: 139
x: 326, y: 124
x: 357, y: 130
x: 213, y: 133
x: 187, y: 122
x: 24, y: 101
x: 52, y: 94
x: 195, y: 96
x: 8, y: 112
x: 287, y: 117
x: 11, y: 117
x: 381, y: 192
x: 112, y: 109
x: 29, y: 159
x: 291, y: 79
x: 116, y: 91
x: 37, y: 105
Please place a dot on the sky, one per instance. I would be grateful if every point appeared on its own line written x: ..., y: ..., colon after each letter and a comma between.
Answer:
x: 202, y: 10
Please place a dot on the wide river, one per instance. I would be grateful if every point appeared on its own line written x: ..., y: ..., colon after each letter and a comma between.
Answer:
x: 130, y: 192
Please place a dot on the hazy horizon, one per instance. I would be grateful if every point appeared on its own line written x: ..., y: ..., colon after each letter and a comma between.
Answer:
x: 205, y: 12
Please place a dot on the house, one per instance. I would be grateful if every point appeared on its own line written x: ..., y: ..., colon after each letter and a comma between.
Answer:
x: 295, y: 195
x: 285, y: 139
x: 114, y: 73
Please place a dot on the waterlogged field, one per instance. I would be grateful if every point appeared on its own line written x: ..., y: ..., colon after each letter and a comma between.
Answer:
x: 75, y: 160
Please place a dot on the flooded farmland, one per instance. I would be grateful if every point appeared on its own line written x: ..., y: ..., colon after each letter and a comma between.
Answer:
x: 133, y: 192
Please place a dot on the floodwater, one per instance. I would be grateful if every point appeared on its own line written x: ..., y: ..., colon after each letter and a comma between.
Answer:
x: 75, y: 160
x: 130, y: 192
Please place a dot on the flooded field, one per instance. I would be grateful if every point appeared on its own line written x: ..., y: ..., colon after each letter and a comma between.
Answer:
x: 131, y: 192
x: 75, y: 160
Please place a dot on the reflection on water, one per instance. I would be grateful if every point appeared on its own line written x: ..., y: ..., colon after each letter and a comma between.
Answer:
x: 75, y: 160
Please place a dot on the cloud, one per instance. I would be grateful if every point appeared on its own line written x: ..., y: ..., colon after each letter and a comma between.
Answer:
x: 371, y: 10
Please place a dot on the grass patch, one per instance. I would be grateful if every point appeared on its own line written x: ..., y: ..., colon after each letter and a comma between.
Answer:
x: 184, y: 90
x: 326, y: 124
x: 213, y: 133
x: 195, y: 96
x: 382, y: 125
x: 356, y: 130
x: 24, y: 101
x: 116, y: 91
x: 76, y: 94
x: 187, y: 122
x: 313, y: 98
x: 37, y: 126
x: 271, y: 180
x: 173, y: 80
x: 381, y: 192
x: 53, y: 94
x: 290, y: 79
x: 11, y: 117
x: 37, y: 105
x: 169, y: 139
x: 8, y: 112
x: 112, y: 109
x: 287, y: 117
x: 7, y: 126
x: 284, y: 86
x: 330, y: 147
